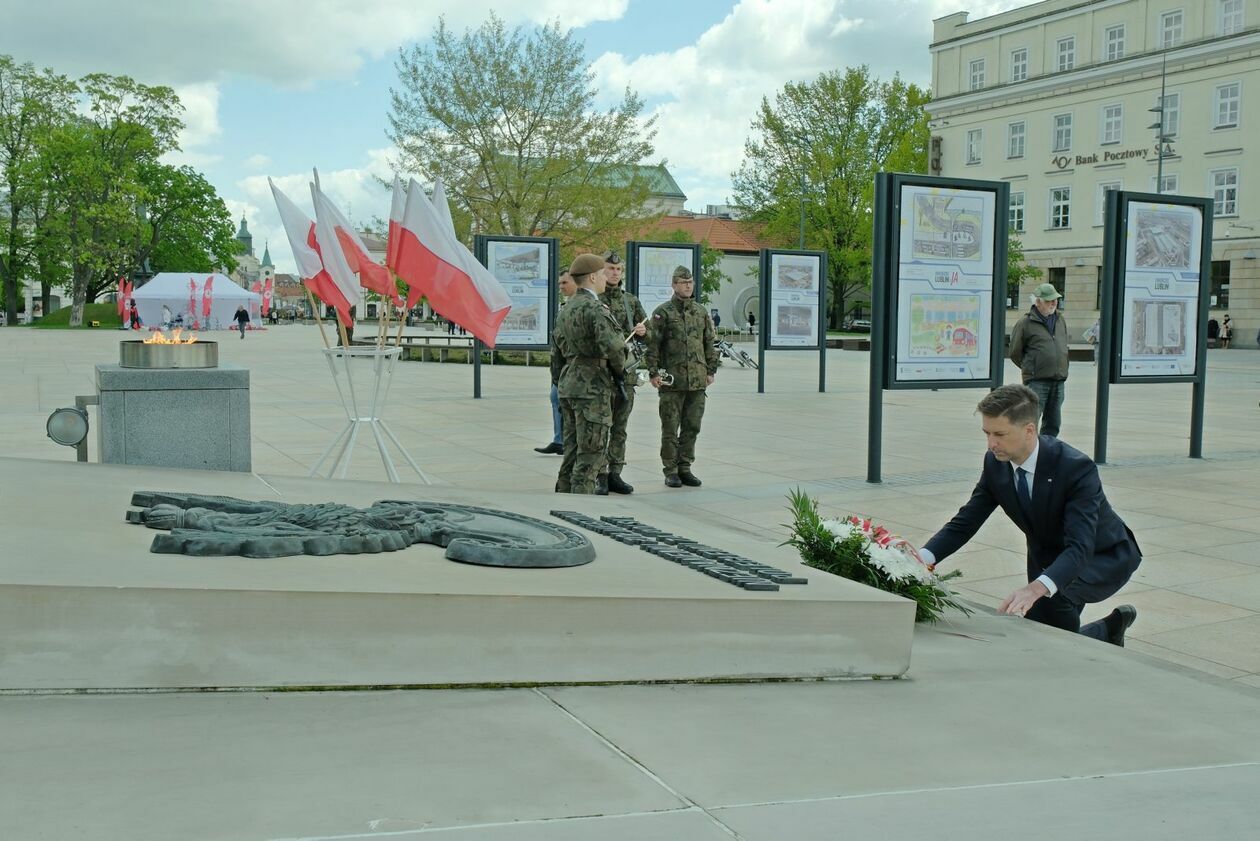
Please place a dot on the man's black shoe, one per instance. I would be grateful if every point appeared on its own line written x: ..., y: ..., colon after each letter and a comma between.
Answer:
x: 551, y: 449
x: 617, y: 486
x: 1118, y: 621
x: 601, y: 485
x: 672, y: 481
x: 691, y: 480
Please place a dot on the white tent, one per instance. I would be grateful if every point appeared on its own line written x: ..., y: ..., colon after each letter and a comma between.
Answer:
x: 184, y: 295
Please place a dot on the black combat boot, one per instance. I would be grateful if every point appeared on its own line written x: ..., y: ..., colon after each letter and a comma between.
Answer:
x: 691, y: 480
x: 672, y: 481
x: 601, y: 484
x: 617, y: 486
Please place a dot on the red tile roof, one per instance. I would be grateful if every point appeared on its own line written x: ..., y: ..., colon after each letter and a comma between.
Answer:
x: 730, y: 235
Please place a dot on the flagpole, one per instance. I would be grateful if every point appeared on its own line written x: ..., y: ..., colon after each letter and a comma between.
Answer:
x: 315, y: 310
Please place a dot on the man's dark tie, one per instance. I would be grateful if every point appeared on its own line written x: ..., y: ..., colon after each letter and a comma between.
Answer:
x: 1021, y: 491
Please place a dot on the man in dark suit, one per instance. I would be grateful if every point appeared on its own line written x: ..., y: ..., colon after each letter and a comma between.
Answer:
x: 1079, y: 550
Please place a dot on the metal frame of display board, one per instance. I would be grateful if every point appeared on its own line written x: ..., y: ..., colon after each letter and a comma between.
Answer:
x: 481, y: 250
x: 659, y: 295
x: 765, y: 259
x: 1158, y: 252
x: 952, y: 235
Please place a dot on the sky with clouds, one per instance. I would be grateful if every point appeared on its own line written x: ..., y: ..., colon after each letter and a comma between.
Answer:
x: 273, y: 88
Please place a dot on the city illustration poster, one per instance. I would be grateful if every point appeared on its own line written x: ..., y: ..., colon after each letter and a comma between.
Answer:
x: 654, y: 268
x: 945, y: 326
x: 522, y: 269
x: 1163, y: 237
x: 794, y: 285
x: 947, y: 226
x: 1157, y: 328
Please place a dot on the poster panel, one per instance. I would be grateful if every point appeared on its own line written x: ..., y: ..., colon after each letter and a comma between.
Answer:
x: 1162, y: 288
x: 653, y: 269
x: 945, y: 281
x: 523, y: 267
x: 794, y: 281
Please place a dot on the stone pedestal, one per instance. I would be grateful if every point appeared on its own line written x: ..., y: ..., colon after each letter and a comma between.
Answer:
x: 182, y: 417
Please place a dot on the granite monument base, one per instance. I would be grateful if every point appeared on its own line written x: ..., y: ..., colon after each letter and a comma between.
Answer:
x: 195, y: 418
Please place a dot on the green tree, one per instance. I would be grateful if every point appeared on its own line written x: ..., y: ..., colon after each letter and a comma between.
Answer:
x: 31, y: 103
x: 1017, y: 268
x: 711, y: 275
x: 189, y: 226
x: 93, y: 166
x: 506, y: 118
x: 811, y: 160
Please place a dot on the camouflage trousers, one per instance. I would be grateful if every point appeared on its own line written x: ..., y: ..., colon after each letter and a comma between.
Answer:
x: 586, y: 423
x: 617, y: 435
x: 681, y: 413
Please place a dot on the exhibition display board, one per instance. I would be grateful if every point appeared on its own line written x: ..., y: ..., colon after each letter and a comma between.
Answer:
x: 650, y: 266
x: 528, y: 268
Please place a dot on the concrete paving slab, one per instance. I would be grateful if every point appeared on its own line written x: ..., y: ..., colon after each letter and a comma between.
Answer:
x: 691, y: 824
x: 260, y: 766
x: 1199, y: 803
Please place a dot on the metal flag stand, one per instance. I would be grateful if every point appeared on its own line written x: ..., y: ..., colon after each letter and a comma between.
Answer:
x: 364, y: 407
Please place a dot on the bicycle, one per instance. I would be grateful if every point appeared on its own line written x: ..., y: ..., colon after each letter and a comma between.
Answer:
x: 739, y: 355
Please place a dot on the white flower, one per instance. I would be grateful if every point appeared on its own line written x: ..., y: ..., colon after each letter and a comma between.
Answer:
x: 839, y: 528
x: 896, y: 564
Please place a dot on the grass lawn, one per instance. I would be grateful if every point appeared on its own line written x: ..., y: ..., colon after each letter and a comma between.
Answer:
x: 106, y: 314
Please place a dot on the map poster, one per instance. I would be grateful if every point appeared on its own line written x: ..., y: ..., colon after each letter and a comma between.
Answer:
x: 944, y: 287
x: 523, y: 268
x: 1162, y: 286
x: 794, y: 284
x: 654, y: 269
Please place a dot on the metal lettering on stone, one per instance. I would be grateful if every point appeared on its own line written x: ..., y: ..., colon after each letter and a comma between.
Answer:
x: 223, y: 525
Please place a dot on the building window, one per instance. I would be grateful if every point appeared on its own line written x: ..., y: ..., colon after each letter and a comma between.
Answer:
x: 1016, y: 215
x: 1112, y: 123
x: 1057, y: 278
x: 1015, y: 140
x: 1225, y: 105
x: 1062, y: 133
x: 1220, y: 284
x: 1172, y: 114
x: 1060, y: 208
x: 1225, y: 192
x: 1019, y: 64
x: 975, y: 138
x: 1113, y: 40
x: 1231, y: 16
x: 1170, y: 184
x: 1103, y: 189
x: 1171, y: 28
x: 977, y: 74
x: 1067, y: 53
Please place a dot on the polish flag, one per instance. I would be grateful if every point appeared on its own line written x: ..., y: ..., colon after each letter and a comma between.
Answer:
x: 207, y: 297
x: 122, y: 295
x: 323, y: 238
x: 301, y: 233
x: 372, y: 275
x: 398, y: 205
x: 266, y: 295
x: 458, y: 287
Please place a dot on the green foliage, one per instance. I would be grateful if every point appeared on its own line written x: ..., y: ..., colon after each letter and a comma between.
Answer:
x: 820, y: 144
x: 106, y: 314
x: 711, y: 275
x: 1017, y: 269
x: 849, y: 557
x: 507, y: 120
x: 189, y: 227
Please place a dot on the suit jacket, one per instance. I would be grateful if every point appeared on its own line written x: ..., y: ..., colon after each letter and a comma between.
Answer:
x: 1072, y: 532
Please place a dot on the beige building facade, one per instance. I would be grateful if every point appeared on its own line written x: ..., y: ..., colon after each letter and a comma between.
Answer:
x: 1062, y: 99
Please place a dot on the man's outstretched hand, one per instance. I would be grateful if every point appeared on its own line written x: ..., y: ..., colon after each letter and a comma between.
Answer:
x: 1022, y: 600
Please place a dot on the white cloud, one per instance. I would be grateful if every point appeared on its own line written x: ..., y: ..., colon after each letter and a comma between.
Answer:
x: 285, y: 42
x: 705, y: 95
x: 356, y: 192
x: 259, y: 161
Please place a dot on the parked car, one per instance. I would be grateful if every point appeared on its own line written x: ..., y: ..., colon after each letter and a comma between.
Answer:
x: 859, y: 325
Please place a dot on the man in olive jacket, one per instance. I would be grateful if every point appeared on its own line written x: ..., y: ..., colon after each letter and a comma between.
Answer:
x: 1039, y: 346
x: 588, y: 339
x: 630, y: 317
x: 680, y: 342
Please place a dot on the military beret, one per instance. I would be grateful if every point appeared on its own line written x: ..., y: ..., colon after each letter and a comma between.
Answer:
x: 586, y: 264
x: 611, y: 258
x: 681, y: 273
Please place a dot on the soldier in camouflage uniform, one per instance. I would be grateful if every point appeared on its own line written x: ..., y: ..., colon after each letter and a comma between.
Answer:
x: 567, y: 288
x: 630, y: 317
x: 680, y: 341
x: 588, y: 339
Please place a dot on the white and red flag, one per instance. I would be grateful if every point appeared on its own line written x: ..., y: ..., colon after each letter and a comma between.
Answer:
x: 323, y: 239
x: 430, y: 257
x: 397, y: 206
x: 372, y: 275
x: 192, y: 299
x: 300, y: 230
x: 207, y: 298
x: 268, y: 287
x: 122, y: 296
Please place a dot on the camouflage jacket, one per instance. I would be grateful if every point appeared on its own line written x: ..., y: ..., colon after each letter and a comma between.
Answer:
x: 627, y: 312
x: 680, y: 340
x: 590, y: 343
x: 557, y: 358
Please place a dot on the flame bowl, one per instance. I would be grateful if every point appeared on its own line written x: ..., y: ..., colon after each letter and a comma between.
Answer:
x: 199, y: 354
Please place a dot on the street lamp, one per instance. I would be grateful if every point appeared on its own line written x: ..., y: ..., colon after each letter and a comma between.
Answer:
x: 1163, y: 144
x: 805, y: 142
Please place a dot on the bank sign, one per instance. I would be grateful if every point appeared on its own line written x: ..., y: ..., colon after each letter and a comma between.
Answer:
x: 1064, y: 161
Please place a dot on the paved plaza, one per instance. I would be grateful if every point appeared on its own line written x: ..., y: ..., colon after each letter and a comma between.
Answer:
x: 999, y: 727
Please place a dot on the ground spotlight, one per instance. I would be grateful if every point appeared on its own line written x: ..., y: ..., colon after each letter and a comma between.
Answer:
x: 68, y: 426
